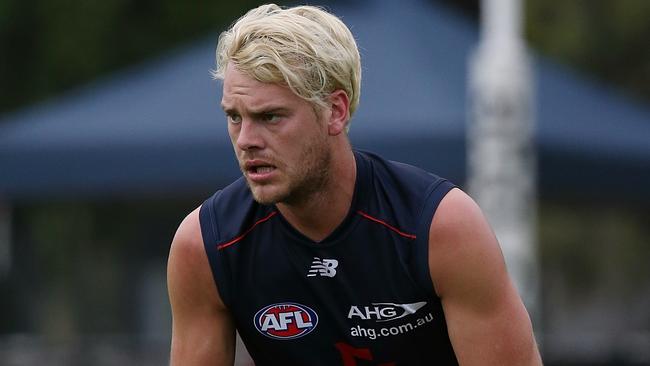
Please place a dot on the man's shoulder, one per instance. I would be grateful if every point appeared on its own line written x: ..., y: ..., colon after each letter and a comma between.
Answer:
x: 231, y: 199
x: 404, y: 194
x: 402, y: 181
x: 234, y: 191
x: 189, y: 225
x: 187, y: 243
x: 397, y: 171
x: 229, y: 211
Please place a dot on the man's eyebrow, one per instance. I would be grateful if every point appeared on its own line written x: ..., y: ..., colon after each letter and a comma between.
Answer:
x: 269, y: 109
x: 226, y: 108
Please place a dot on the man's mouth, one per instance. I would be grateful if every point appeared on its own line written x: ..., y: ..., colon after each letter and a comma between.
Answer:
x: 258, y: 169
x: 261, y: 169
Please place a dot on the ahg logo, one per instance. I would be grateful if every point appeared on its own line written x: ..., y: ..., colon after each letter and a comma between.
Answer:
x: 285, y: 320
x: 384, y: 311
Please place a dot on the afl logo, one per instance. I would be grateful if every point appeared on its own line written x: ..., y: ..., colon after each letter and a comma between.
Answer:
x: 286, y: 320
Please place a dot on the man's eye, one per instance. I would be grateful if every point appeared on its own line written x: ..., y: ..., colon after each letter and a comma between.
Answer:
x: 234, y: 118
x: 270, y: 117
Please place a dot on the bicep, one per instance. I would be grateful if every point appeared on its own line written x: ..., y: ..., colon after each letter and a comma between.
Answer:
x: 202, y: 329
x: 486, y: 320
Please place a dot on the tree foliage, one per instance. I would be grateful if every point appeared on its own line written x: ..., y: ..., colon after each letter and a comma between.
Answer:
x: 608, y: 39
x: 49, y: 46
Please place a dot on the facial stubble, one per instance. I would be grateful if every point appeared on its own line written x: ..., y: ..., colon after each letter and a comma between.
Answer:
x: 307, y: 179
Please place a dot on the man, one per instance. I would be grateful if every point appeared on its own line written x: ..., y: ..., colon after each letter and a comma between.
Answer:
x: 321, y: 254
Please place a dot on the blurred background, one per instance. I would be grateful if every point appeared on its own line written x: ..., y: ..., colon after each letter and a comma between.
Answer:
x: 111, y: 132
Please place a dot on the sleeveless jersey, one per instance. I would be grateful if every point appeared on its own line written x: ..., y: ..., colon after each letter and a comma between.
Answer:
x: 362, y: 296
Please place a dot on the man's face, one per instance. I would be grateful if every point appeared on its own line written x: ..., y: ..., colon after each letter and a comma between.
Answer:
x: 279, y: 140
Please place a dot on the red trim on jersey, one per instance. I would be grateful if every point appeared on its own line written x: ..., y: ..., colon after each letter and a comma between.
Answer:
x: 240, y: 237
x: 410, y: 236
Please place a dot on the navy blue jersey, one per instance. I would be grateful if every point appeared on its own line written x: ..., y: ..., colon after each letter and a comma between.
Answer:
x: 362, y: 296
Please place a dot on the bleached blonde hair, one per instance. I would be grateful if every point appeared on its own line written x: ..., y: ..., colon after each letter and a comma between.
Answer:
x: 304, y: 47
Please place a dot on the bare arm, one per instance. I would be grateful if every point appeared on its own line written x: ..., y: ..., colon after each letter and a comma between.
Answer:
x: 202, y: 331
x: 487, y: 321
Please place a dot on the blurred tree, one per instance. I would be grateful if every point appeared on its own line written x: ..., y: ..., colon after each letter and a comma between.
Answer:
x: 50, y: 46
x: 607, y: 39
x: 79, y: 265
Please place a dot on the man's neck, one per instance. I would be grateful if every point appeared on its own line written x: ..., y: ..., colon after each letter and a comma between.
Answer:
x: 319, y: 215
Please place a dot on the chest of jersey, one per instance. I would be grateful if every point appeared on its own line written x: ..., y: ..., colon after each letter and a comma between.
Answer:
x: 363, y: 296
x: 349, y: 301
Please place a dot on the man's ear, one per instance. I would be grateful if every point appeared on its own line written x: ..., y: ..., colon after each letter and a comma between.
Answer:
x: 340, y: 112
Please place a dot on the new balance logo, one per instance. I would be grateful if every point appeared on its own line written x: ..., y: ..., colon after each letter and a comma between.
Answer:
x: 323, y: 267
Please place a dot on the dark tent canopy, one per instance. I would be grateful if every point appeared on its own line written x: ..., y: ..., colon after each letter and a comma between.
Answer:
x: 158, y: 128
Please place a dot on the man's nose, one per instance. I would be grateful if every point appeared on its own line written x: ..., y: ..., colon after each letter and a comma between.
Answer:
x: 250, y: 135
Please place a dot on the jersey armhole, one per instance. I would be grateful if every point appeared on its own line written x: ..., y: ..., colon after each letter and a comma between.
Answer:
x: 211, y: 236
x: 432, y: 199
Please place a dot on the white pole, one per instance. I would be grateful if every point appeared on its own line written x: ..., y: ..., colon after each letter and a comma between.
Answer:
x: 501, y: 156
